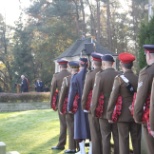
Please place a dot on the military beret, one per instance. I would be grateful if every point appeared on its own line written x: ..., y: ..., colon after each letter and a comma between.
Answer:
x: 96, y: 56
x: 126, y: 57
x: 149, y: 48
x: 74, y: 64
x: 83, y: 61
x: 62, y: 62
x: 108, y: 57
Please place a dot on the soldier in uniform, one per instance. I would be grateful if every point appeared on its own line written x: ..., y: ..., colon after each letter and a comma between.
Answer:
x: 63, y: 99
x: 152, y: 109
x: 86, y: 103
x: 55, y: 87
x: 81, y: 125
x: 143, y: 93
x: 102, y: 88
x: 124, y: 86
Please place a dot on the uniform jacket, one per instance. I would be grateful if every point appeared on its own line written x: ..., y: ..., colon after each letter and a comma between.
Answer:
x: 119, y: 88
x: 144, y: 89
x: 57, y: 81
x: 103, y: 85
x: 152, y: 107
x: 64, y: 91
x: 88, y: 86
x: 81, y: 125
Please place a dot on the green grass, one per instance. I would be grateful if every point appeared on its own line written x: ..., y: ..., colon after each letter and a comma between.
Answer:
x: 30, y: 132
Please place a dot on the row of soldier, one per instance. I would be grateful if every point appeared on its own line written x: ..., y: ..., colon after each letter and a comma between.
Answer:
x: 95, y: 104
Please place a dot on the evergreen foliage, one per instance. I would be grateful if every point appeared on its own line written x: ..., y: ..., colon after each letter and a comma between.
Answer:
x: 146, y: 36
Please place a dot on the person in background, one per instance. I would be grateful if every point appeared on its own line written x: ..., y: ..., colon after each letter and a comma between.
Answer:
x: 24, y: 84
x: 142, y: 102
x: 121, y: 98
x: 55, y: 91
x: 39, y: 85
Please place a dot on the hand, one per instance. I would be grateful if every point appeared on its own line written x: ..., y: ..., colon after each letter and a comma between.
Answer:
x: 110, y: 121
x: 130, y: 108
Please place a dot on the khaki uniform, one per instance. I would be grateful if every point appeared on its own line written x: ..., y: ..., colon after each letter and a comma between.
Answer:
x: 144, y: 89
x: 69, y: 117
x: 56, y: 84
x: 93, y: 121
x: 125, y: 121
x: 152, y: 107
x: 103, y: 85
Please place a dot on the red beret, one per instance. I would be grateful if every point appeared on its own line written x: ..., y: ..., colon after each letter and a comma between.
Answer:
x: 126, y: 57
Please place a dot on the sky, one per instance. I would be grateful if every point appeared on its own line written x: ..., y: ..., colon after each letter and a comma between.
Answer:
x: 10, y: 9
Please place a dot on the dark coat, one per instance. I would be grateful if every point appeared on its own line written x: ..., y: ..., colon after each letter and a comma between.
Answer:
x: 81, y: 124
x: 24, y: 85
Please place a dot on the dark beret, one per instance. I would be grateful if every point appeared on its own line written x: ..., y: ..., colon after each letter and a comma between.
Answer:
x: 149, y: 47
x: 74, y: 64
x: 108, y: 57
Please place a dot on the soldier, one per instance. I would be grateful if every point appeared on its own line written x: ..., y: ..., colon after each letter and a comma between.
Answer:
x: 141, y: 108
x: 152, y: 109
x: 124, y: 86
x: 100, y: 96
x: 86, y: 103
x: 81, y: 125
x: 55, y: 90
x: 63, y: 99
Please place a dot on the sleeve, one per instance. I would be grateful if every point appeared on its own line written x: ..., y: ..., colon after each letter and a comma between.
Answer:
x: 96, y: 93
x: 142, y: 93
x: 63, y: 94
x: 86, y: 90
x: 152, y: 107
x: 53, y: 87
x: 113, y: 97
x: 71, y: 95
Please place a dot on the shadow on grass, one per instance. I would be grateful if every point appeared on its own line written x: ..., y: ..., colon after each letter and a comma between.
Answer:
x: 46, y: 147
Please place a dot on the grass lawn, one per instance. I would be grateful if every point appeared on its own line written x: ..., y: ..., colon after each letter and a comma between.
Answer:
x: 30, y: 132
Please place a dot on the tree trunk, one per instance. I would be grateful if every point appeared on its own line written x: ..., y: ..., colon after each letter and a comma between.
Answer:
x: 83, y: 15
x: 98, y: 22
x: 109, y: 26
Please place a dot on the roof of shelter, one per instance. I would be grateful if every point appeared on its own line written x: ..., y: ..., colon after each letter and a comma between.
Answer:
x: 84, y: 46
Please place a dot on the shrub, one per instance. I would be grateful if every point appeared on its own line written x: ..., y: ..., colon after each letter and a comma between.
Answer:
x: 25, y: 97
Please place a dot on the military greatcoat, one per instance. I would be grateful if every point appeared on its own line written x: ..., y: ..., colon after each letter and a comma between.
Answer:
x: 81, y: 124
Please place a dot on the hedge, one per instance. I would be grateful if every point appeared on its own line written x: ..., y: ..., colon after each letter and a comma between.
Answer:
x: 25, y: 97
